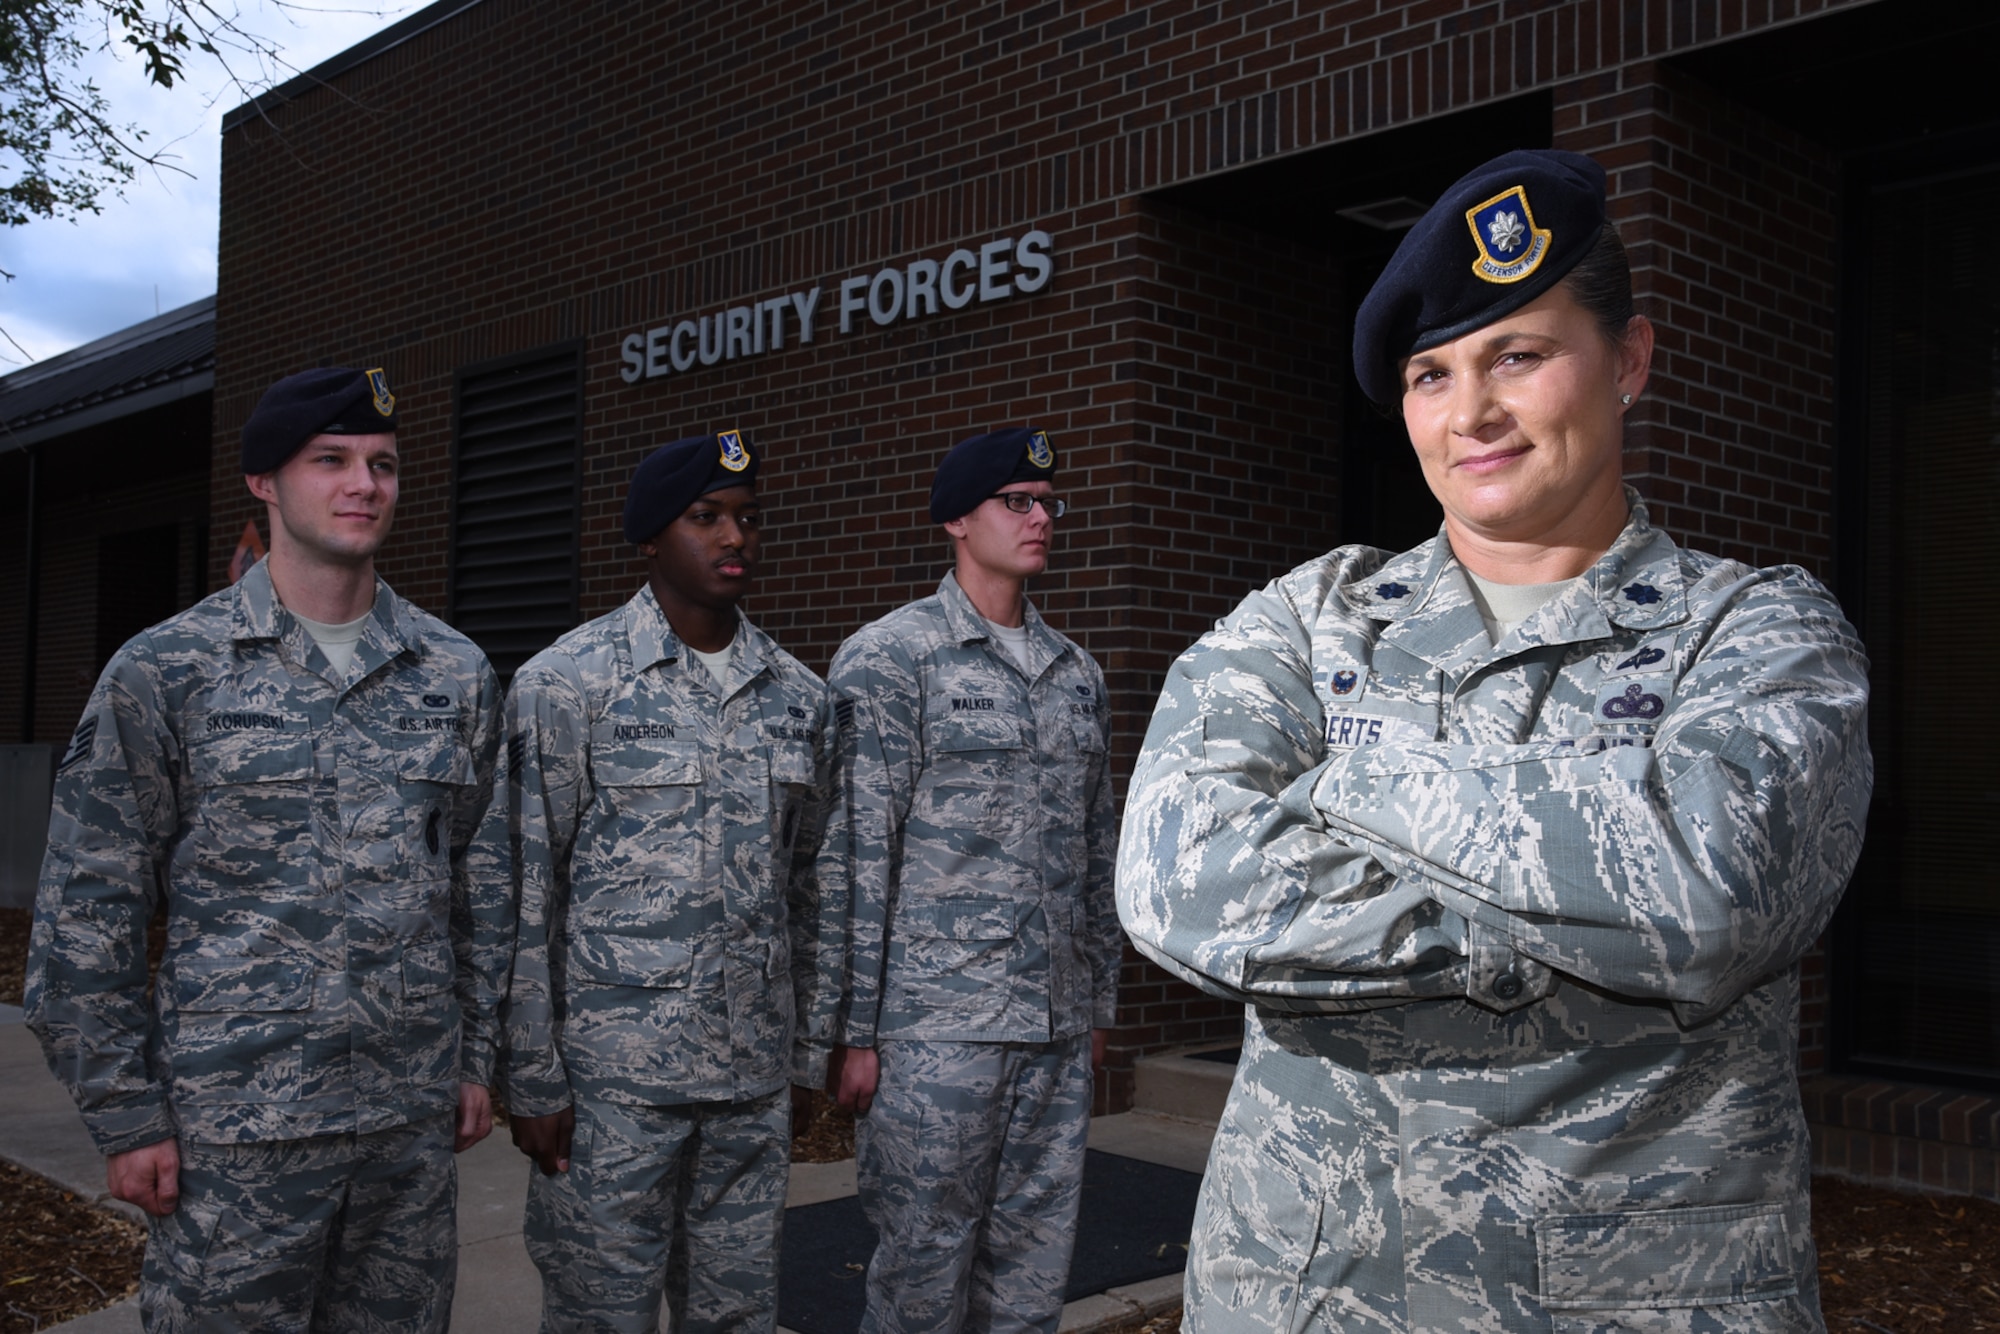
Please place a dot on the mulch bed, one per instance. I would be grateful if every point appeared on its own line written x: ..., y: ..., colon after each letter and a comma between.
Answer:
x: 14, y: 924
x: 1890, y: 1262
x: 60, y: 1257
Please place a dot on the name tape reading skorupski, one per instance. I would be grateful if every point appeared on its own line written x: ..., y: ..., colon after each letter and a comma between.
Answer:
x: 996, y: 270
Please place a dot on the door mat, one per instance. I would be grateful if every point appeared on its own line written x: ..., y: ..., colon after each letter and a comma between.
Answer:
x: 1133, y: 1225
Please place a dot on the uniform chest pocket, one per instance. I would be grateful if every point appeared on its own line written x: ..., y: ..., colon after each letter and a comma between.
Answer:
x: 250, y: 791
x: 608, y: 958
x: 673, y: 764
x: 443, y: 761
x: 970, y: 784
x: 244, y: 758
x: 791, y: 764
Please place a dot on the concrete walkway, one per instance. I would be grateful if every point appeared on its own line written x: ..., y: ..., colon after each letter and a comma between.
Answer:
x: 499, y: 1291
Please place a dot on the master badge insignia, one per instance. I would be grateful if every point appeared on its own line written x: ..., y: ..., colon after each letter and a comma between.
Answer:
x: 1503, y: 231
x: 1040, y: 452
x: 735, y: 454
x: 378, y: 389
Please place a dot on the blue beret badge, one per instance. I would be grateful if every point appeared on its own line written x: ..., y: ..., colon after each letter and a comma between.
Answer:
x: 735, y: 456
x: 378, y: 389
x: 1510, y: 245
x: 1039, y: 452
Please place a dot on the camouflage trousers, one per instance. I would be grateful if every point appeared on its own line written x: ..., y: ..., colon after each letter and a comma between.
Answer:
x: 683, y: 1203
x: 970, y: 1165
x: 336, y: 1232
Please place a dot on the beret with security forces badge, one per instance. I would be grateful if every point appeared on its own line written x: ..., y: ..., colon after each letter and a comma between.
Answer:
x: 976, y: 467
x: 331, y: 400
x: 675, y: 475
x: 1505, y: 233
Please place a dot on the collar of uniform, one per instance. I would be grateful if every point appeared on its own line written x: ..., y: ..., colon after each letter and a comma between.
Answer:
x: 1639, y: 583
x: 1403, y: 584
x: 260, y: 615
x: 653, y: 639
x: 968, y: 626
x: 1425, y: 597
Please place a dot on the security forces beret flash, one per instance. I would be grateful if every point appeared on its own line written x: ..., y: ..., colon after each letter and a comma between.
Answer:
x: 670, y: 478
x: 1504, y: 234
x: 977, y: 467
x: 333, y: 400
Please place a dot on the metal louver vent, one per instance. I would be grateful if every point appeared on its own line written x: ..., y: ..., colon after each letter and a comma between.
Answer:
x: 517, y: 425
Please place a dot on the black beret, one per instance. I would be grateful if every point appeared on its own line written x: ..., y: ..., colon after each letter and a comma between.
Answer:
x: 1503, y: 235
x: 975, y: 468
x: 333, y: 400
x: 669, y: 479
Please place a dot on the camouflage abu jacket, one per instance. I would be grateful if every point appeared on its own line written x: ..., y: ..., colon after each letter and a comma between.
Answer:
x: 659, y: 834
x: 972, y: 861
x: 320, y: 972
x: 1519, y: 930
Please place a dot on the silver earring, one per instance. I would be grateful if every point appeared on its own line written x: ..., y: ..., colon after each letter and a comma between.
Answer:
x: 1626, y: 399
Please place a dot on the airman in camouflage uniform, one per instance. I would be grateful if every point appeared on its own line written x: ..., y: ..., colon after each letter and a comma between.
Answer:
x: 284, y: 1102
x: 1516, y: 905
x: 973, y: 857
x: 658, y: 822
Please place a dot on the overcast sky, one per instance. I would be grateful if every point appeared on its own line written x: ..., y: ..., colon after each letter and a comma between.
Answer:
x: 154, y: 249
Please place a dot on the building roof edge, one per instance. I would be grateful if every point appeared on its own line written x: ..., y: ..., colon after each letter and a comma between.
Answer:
x: 403, y: 30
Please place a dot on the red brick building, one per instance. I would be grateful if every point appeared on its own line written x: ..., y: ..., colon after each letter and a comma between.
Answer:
x: 572, y: 231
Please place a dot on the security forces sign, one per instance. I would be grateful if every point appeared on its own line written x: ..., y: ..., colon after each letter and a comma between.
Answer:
x: 992, y: 271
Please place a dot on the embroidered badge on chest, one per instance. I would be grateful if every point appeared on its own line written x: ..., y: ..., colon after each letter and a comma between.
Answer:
x: 1624, y: 702
x: 1345, y: 686
x: 1651, y: 658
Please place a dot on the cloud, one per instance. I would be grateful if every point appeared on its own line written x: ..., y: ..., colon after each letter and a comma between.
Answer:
x: 154, y: 249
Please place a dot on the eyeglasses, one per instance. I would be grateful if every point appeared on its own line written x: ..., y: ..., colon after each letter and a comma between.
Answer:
x: 1022, y: 502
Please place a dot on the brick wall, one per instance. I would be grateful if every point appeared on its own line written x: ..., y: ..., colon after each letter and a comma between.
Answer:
x: 525, y: 174
x: 67, y: 660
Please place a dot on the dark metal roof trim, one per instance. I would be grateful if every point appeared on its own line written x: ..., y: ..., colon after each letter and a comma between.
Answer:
x: 359, y: 54
x: 150, y: 363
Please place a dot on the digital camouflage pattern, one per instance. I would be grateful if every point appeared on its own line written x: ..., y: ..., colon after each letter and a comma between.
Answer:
x: 337, y: 1233
x: 702, y: 1182
x: 659, y: 834
x: 323, y: 972
x: 965, y: 1138
x: 1518, y: 927
x: 971, y: 868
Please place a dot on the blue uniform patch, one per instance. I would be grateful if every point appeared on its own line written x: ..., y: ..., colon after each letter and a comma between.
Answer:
x: 1625, y: 701
x: 735, y: 454
x: 1503, y: 230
